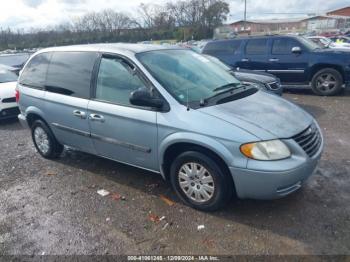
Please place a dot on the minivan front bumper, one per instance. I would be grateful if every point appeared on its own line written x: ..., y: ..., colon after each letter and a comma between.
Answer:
x: 258, y: 184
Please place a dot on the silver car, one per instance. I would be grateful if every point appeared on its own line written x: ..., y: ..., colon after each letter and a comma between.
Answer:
x: 171, y: 111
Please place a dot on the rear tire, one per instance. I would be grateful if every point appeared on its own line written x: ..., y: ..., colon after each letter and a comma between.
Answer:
x: 327, y: 82
x: 44, y: 140
x: 200, y: 182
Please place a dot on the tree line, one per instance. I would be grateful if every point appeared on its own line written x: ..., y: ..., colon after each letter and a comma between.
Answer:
x: 180, y: 20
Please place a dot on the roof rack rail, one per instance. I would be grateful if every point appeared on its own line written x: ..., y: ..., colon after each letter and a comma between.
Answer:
x: 258, y: 35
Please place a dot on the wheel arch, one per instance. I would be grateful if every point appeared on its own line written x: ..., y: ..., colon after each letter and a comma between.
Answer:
x: 178, y: 143
x: 315, y: 68
x: 32, y: 114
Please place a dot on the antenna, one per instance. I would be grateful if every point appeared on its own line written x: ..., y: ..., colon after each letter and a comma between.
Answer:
x: 187, y: 102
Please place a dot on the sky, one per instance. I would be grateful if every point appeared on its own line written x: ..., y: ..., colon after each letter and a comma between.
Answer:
x: 26, y: 14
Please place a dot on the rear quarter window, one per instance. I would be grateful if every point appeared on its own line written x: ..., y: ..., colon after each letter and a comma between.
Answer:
x: 34, y: 73
x: 70, y: 73
x: 226, y: 47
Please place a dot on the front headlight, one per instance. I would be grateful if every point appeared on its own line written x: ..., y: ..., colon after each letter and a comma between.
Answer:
x: 266, y: 150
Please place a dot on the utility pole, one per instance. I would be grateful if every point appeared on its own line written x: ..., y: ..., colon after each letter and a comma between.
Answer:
x: 245, y: 15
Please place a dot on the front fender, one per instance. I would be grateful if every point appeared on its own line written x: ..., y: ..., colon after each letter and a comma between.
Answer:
x: 196, y: 139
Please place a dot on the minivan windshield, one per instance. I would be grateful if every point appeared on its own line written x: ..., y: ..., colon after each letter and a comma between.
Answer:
x: 186, y: 75
x: 218, y: 62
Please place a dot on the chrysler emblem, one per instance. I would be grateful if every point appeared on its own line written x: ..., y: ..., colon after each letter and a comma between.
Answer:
x: 309, y: 131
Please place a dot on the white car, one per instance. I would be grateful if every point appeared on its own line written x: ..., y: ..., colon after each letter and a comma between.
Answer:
x: 328, y: 43
x: 8, y: 105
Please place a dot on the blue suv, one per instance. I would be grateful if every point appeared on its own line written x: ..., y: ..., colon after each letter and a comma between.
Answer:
x: 294, y: 59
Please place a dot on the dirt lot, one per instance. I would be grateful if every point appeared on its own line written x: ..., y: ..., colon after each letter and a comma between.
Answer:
x: 52, y: 207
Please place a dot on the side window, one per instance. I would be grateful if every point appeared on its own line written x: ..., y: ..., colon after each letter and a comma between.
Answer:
x: 227, y: 47
x: 70, y: 73
x: 235, y: 46
x: 256, y: 47
x: 115, y: 81
x: 283, y: 46
x: 34, y: 73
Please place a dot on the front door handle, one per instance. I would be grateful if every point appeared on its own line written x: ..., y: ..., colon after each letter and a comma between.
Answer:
x: 79, y: 114
x: 274, y: 60
x: 96, y: 117
x: 245, y: 60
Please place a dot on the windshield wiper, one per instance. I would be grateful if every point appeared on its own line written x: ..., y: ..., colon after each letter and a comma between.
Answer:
x: 205, y: 101
x: 227, y: 86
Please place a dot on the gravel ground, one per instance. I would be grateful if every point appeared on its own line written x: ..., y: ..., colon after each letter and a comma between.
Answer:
x: 52, y: 207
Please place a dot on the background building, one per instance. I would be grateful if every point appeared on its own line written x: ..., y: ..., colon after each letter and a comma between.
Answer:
x: 328, y: 23
x: 269, y: 26
x: 345, y: 11
x: 333, y: 21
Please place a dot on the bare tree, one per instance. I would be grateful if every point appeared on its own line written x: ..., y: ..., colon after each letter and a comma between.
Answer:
x: 146, y: 14
x: 181, y: 19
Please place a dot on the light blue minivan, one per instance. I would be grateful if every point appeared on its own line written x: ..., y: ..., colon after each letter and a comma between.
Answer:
x: 170, y: 111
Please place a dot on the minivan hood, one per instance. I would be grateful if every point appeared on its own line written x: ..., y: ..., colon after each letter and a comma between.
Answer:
x: 263, y: 113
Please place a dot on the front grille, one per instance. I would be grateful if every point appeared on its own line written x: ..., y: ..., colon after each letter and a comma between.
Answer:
x: 9, y: 100
x: 274, y: 85
x: 310, y: 140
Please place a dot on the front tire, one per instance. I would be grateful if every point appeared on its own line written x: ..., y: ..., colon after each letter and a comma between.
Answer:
x: 327, y: 82
x: 200, y: 182
x: 44, y: 140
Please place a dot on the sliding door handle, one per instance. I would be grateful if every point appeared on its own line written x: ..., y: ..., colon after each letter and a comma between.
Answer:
x: 274, y: 60
x: 96, y: 117
x: 79, y: 114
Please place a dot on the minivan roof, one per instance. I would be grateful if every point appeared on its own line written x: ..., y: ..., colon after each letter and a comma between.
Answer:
x: 112, y: 47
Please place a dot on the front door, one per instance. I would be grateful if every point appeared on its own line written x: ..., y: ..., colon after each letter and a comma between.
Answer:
x: 254, y: 56
x: 287, y: 66
x: 119, y: 130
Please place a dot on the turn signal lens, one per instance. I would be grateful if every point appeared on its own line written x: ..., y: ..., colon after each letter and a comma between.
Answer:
x: 247, y: 150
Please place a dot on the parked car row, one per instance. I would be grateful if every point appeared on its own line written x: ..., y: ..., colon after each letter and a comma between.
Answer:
x: 341, y: 39
x: 10, y: 65
x: 333, y: 43
x: 294, y: 60
x: 8, y: 81
x: 170, y: 111
x: 260, y: 80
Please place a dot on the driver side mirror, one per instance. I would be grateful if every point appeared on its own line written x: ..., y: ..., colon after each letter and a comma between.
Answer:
x: 296, y: 50
x: 143, y: 97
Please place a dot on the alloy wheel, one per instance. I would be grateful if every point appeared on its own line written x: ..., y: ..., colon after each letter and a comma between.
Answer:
x: 326, y: 82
